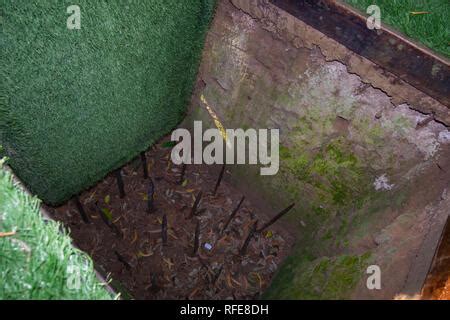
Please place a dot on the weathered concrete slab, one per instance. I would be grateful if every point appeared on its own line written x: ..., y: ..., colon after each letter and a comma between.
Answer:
x: 393, y: 52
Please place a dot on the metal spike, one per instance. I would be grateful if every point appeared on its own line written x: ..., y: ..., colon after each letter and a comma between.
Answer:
x: 276, y: 218
x: 219, y: 180
x: 233, y: 214
x: 80, y: 208
x: 120, y: 184
x: 144, y: 165
x: 251, y: 233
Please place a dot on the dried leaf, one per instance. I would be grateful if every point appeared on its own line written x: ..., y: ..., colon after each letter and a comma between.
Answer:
x: 172, y: 234
x: 169, y: 263
x: 143, y: 254
x: 7, y: 234
x: 135, y: 237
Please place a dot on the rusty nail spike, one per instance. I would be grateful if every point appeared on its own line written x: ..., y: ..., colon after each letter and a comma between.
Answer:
x: 120, y: 183
x: 233, y: 214
x: 276, y: 218
x: 123, y: 260
x: 144, y: 164
x: 219, y: 180
x: 80, y: 208
x: 183, y: 172
x: 195, y: 205
x: 251, y: 233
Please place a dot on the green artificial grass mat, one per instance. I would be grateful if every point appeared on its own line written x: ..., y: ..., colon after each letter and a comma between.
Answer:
x: 77, y: 104
x: 431, y: 29
x: 38, y: 261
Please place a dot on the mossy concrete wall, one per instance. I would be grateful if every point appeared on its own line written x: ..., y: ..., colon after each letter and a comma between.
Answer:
x: 352, y: 157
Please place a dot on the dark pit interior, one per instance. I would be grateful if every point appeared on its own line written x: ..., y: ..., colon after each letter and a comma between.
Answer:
x: 155, y: 255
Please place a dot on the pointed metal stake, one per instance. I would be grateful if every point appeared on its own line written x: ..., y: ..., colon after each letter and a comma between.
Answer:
x: 123, y: 260
x: 251, y: 233
x: 120, y: 183
x: 183, y: 171
x: 144, y: 164
x: 195, y: 205
x: 219, y: 180
x: 276, y: 218
x: 233, y: 214
x: 80, y: 208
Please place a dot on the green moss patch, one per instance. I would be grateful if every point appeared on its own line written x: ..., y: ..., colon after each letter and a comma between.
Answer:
x: 322, y: 278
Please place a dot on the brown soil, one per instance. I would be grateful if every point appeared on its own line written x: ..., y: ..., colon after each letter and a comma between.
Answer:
x: 145, y: 267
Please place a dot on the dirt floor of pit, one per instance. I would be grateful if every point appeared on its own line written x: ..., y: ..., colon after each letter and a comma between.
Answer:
x: 145, y: 267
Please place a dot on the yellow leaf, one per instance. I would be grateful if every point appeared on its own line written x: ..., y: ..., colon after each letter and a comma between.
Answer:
x: 143, y: 254
x: 415, y: 13
x: 107, y: 199
x: 107, y: 213
x: 135, y: 237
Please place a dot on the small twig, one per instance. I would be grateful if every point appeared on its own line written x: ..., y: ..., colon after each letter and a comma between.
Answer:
x: 144, y: 164
x: 195, y: 205
x: 276, y: 218
x: 7, y: 234
x: 164, y: 230
x: 233, y: 214
x: 80, y: 208
x: 150, y: 196
x: 251, y: 233
x: 196, y: 238
x: 183, y: 171
x: 219, y: 180
x: 120, y: 184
